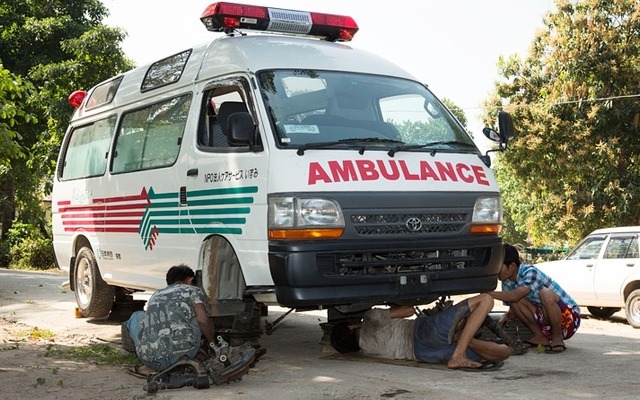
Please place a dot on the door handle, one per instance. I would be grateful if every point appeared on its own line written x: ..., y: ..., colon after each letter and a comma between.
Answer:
x: 192, y: 172
x: 631, y: 265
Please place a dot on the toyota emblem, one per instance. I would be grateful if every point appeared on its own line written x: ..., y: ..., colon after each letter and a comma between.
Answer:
x: 414, y: 224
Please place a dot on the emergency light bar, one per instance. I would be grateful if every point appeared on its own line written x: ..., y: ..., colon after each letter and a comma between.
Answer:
x: 227, y: 17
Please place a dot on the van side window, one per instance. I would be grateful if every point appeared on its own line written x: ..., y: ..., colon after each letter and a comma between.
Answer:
x: 103, y: 93
x: 218, y: 104
x: 151, y: 137
x: 165, y: 72
x: 87, y: 150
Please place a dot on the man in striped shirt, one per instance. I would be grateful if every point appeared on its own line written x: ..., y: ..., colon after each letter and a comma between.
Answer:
x: 538, y: 301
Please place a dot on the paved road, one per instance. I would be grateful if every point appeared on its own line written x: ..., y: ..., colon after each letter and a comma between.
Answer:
x: 602, y: 360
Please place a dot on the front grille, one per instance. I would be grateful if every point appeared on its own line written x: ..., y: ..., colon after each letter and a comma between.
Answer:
x: 402, y: 224
x: 399, y: 262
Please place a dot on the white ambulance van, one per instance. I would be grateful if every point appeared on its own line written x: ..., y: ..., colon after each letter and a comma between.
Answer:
x: 286, y: 168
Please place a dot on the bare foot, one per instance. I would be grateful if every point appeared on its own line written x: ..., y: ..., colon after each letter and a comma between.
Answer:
x: 463, y: 362
x: 535, y: 341
x: 144, y: 370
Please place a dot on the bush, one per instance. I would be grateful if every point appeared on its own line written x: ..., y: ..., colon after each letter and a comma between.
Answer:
x: 32, y: 253
x: 5, y: 260
x: 20, y: 231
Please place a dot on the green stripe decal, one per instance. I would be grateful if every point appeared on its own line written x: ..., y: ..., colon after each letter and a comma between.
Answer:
x: 209, y: 211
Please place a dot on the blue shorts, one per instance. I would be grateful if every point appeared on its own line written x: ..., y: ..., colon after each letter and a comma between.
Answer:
x: 431, y: 337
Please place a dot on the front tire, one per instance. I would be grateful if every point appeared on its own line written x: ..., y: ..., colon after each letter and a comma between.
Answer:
x: 93, y: 296
x: 633, y: 309
x: 603, y: 312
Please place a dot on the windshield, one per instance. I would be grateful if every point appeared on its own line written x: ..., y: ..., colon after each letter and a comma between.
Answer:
x: 318, y: 107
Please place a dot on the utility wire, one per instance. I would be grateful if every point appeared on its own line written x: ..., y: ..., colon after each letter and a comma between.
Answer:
x: 628, y: 96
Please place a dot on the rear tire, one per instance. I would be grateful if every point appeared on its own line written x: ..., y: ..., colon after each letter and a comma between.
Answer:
x: 633, y: 309
x: 603, y: 312
x: 93, y: 295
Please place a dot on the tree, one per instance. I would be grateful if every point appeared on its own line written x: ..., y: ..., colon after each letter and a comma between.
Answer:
x: 575, y: 163
x: 457, y: 111
x: 58, y: 46
x: 14, y: 93
x: 415, y: 131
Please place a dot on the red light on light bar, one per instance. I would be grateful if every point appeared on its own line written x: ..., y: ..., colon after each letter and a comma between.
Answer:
x: 223, y: 16
x: 75, y: 99
x: 226, y: 17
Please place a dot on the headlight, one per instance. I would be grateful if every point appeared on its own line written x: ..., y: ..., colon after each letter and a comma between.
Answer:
x: 304, y: 218
x: 487, y: 215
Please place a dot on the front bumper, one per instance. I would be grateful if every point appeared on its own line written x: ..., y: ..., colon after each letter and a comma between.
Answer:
x: 326, y: 273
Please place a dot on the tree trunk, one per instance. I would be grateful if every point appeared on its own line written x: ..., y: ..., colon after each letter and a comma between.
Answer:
x: 7, y: 204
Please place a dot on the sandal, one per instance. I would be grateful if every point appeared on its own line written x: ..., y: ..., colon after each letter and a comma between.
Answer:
x: 555, y: 349
x: 484, y: 367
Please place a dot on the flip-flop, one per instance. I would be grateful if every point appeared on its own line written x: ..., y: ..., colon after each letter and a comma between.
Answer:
x: 555, y: 349
x: 134, y: 371
x: 484, y: 367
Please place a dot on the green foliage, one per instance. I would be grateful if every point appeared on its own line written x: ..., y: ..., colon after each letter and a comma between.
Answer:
x: 26, y: 241
x: 574, y: 164
x: 32, y: 253
x: 14, y: 93
x: 49, y: 49
x: 19, y: 232
x: 102, y: 354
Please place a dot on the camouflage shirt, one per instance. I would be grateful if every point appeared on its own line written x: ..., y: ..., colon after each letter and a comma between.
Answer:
x: 169, y: 327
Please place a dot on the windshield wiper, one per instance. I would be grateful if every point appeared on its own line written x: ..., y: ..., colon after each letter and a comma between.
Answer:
x: 410, y: 147
x: 319, y: 145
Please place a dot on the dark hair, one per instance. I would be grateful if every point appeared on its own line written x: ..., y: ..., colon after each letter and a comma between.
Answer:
x: 179, y: 273
x: 511, y: 255
x: 343, y: 338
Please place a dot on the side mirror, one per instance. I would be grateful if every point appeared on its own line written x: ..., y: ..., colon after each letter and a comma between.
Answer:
x: 241, y: 130
x: 505, y: 127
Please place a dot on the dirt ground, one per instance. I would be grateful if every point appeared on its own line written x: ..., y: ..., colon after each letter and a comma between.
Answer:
x: 601, y: 362
x: 33, y: 306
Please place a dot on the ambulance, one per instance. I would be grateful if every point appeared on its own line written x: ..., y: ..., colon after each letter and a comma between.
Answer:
x: 284, y: 166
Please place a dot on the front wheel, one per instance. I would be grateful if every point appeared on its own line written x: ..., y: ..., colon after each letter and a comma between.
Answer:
x: 93, y: 295
x: 633, y: 308
x: 603, y: 312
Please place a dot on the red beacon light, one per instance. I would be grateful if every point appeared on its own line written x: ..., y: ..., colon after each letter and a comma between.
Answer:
x: 227, y: 17
x: 76, y: 98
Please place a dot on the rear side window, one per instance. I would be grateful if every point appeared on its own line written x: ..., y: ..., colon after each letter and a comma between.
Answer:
x: 151, y: 137
x: 622, y: 247
x: 87, y: 150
